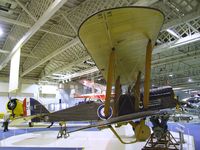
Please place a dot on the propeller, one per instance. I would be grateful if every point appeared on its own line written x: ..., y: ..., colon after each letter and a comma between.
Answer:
x: 11, y: 105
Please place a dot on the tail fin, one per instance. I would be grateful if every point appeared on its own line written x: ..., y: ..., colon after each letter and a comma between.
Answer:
x: 33, y: 107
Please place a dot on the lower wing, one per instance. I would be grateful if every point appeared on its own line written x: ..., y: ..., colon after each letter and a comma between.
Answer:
x: 120, y: 119
x: 20, y: 120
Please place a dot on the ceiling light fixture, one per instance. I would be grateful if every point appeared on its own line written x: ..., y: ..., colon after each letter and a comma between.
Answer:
x: 190, y: 80
x: 173, y: 33
x: 1, y: 32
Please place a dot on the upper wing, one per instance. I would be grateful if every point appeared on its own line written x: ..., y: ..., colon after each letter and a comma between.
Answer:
x: 127, y: 30
x: 124, y: 118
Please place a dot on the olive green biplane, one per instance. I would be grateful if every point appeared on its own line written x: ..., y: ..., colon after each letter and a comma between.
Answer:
x: 120, y: 41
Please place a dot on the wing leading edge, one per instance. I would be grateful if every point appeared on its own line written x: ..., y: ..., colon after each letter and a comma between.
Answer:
x: 120, y: 119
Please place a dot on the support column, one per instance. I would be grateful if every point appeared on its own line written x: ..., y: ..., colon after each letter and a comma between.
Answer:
x: 14, y: 71
x: 118, y: 92
x: 136, y: 91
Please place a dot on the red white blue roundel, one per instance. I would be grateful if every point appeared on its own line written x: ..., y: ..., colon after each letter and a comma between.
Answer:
x: 100, y: 112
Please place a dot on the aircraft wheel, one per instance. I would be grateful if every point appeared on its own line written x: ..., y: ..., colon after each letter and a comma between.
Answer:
x: 30, y: 124
x: 142, y: 132
x: 100, y: 112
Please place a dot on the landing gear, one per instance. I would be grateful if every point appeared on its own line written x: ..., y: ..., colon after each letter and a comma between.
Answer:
x: 119, y: 138
x: 63, y: 131
x: 30, y: 124
x: 50, y: 125
x: 142, y: 131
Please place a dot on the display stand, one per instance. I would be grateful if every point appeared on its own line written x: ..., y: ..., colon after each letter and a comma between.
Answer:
x: 167, y: 142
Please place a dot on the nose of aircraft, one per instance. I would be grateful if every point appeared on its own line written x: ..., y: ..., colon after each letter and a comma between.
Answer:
x: 12, y: 104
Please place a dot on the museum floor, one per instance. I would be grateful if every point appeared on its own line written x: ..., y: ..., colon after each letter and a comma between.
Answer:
x: 41, y: 138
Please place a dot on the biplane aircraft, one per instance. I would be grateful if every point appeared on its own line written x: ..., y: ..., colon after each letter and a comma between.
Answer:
x: 14, y: 107
x: 120, y: 41
x: 29, y: 108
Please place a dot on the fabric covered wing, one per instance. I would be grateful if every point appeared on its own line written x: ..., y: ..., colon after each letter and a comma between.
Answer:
x: 125, y: 29
x: 120, y: 119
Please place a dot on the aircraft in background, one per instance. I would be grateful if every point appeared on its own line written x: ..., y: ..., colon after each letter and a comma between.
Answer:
x: 91, y: 84
x: 93, y: 96
x: 14, y: 107
x: 190, y: 102
x: 97, y: 94
x: 120, y: 41
x: 26, y: 110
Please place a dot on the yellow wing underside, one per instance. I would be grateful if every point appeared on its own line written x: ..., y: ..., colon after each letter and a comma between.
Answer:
x: 128, y: 31
x: 1, y: 115
x: 19, y: 120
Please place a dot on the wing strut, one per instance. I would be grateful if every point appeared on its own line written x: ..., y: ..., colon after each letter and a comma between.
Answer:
x: 118, y: 92
x: 147, y: 74
x: 136, y: 91
x: 109, y: 81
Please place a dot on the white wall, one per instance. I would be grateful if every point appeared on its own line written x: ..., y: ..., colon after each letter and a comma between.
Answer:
x: 3, y: 87
x: 43, y: 93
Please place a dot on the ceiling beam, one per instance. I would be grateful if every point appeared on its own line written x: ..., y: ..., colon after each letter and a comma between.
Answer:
x: 26, y: 10
x: 175, y: 58
x: 183, y: 86
x: 71, y: 25
x: 145, y: 2
x: 22, y: 54
x: 177, y: 72
x: 56, y: 5
x: 178, y: 81
x: 22, y: 24
x: 182, y: 20
x: 177, y: 43
x: 78, y: 74
x: 51, y: 55
x: 192, y: 27
x: 70, y: 65
x: 39, y: 41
